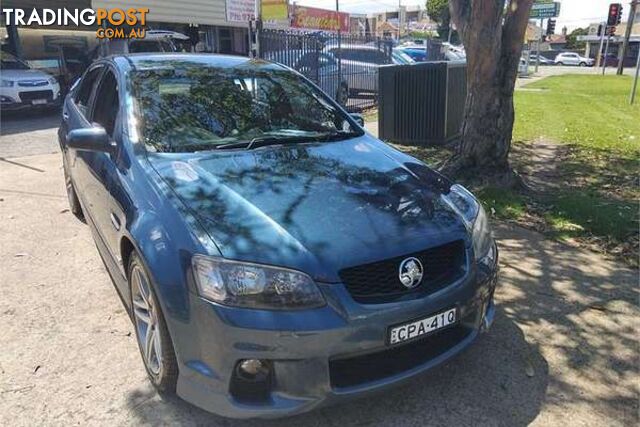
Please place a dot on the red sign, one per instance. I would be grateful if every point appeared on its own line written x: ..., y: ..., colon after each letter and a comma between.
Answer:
x: 319, y: 19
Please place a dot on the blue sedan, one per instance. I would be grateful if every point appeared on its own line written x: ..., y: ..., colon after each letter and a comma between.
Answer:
x: 273, y: 256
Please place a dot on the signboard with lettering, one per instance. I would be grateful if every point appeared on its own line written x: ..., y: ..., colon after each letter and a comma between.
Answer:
x: 275, y: 10
x: 541, y: 10
x: 319, y: 19
x: 241, y: 10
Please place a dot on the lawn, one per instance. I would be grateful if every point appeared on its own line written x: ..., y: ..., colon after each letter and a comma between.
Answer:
x: 578, y: 140
x: 590, y: 111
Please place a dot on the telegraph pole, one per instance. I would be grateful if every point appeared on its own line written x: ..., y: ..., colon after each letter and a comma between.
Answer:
x: 603, y: 30
x: 635, y: 81
x: 627, y: 34
x: 606, y: 52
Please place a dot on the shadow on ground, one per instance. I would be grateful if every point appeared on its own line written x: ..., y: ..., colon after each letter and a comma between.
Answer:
x: 487, y: 384
x: 16, y: 122
x: 564, y: 346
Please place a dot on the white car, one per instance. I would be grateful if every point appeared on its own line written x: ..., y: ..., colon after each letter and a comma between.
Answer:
x: 23, y: 87
x: 571, y: 58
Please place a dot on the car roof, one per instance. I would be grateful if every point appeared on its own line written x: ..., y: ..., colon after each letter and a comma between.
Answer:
x: 158, y: 60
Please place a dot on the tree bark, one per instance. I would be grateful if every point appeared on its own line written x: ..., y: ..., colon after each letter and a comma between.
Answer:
x: 492, y: 34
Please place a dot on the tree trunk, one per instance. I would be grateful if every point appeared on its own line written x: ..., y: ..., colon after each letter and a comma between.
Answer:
x: 493, y: 37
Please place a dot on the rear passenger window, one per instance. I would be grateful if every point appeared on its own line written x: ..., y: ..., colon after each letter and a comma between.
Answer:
x: 106, y: 106
x: 83, y: 93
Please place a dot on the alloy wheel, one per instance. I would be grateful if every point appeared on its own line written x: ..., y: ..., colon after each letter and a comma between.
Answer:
x: 145, y: 311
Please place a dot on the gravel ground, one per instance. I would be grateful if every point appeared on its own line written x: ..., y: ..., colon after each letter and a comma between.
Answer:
x: 563, y: 349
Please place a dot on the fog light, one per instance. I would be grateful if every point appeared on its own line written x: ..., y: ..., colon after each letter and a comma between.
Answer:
x: 252, y: 380
x: 251, y: 366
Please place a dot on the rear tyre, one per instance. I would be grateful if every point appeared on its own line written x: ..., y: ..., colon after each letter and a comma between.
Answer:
x: 74, y: 202
x: 559, y: 63
x: 154, y: 342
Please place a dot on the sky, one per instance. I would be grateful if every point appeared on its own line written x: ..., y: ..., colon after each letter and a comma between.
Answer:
x: 573, y: 13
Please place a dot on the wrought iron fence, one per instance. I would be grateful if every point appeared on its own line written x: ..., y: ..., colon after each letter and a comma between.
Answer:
x: 344, y: 66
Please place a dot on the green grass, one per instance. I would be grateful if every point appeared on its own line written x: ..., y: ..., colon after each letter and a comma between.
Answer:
x: 502, y: 204
x: 590, y: 111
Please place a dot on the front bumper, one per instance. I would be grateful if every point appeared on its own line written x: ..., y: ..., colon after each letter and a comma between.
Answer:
x: 11, y: 100
x: 308, y: 349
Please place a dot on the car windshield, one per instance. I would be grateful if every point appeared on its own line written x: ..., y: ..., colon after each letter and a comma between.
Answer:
x: 9, y: 62
x: 196, y: 108
x: 401, y: 58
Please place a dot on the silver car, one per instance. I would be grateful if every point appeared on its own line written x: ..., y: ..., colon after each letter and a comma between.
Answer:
x: 321, y: 67
x: 571, y: 58
x: 360, y: 65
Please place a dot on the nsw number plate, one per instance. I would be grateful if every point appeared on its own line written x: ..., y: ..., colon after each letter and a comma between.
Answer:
x: 39, y: 101
x: 411, y: 330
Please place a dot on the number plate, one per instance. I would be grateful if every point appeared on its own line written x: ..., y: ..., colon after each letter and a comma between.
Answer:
x: 39, y: 101
x: 418, y: 328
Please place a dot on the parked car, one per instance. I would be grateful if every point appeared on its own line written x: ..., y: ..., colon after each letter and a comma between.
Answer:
x: 454, y: 53
x: 543, y: 60
x: 22, y: 87
x: 360, y: 65
x: 273, y: 256
x: 400, y: 57
x: 523, y: 67
x: 571, y: 58
x: 610, y: 60
x: 321, y: 67
x: 416, y: 53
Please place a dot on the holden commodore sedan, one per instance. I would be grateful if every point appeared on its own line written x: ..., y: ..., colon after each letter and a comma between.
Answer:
x: 273, y: 256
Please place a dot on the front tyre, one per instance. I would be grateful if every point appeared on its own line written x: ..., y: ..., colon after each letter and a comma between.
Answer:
x: 74, y: 202
x: 152, y: 334
x: 583, y: 64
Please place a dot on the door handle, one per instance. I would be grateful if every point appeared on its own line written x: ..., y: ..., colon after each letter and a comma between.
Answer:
x: 65, y: 115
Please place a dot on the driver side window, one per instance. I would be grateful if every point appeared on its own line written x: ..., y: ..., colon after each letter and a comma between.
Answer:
x: 106, y: 107
x: 83, y: 94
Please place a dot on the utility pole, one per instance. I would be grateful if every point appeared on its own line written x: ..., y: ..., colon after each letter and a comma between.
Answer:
x: 538, y: 46
x: 606, y: 52
x: 603, y: 30
x: 339, y: 45
x: 635, y: 81
x: 258, y: 53
x: 627, y: 34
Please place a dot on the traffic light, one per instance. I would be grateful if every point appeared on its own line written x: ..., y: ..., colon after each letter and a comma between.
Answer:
x: 551, y: 27
x: 615, y: 14
x: 611, y: 31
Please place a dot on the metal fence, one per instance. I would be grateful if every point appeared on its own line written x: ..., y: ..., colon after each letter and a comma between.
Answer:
x: 422, y: 104
x: 343, y: 66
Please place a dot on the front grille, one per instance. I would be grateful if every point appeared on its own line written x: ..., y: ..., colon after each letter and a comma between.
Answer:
x: 36, y: 94
x: 32, y: 83
x: 379, y: 282
x: 353, y: 371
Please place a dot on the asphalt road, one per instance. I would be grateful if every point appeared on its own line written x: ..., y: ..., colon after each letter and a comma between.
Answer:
x: 563, y: 350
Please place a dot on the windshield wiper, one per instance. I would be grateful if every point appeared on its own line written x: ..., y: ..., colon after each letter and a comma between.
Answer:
x: 265, y: 140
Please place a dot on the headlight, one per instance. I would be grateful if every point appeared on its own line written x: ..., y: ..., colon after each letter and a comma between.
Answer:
x: 254, y: 286
x: 474, y: 216
x: 6, y: 83
x: 53, y: 80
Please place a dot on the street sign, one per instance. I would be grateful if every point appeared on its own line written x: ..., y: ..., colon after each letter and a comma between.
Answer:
x: 544, y: 10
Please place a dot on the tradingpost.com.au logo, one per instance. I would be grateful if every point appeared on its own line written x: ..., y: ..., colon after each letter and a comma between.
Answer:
x: 112, y: 22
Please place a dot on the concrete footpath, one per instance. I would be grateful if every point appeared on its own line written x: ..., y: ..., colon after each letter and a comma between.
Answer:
x: 563, y: 350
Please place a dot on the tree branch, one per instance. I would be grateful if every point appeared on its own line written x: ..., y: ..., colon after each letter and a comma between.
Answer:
x: 460, y: 11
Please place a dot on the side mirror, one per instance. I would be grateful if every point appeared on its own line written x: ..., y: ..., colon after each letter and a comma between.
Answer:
x: 358, y: 118
x: 90, y: 139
